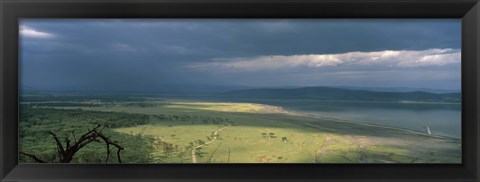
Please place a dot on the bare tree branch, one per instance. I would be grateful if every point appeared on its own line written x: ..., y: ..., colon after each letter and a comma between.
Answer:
x: 66, y: 153
x: 33, y: 157
x: 118, y: 155
x: 74, y: 137
x: 108, y: 152
x: 109, y: 142
x: 59, y: 144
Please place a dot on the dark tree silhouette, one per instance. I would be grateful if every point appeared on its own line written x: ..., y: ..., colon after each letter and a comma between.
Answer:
x: 67, y: 151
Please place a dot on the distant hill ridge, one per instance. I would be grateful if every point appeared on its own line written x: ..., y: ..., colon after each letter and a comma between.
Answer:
x: 331, y: 93
x: 398, y: 89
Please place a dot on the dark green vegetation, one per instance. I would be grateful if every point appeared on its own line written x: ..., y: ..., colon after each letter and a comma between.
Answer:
x: 51, y: 97
x: 36, y: 123
x: 329, y: 93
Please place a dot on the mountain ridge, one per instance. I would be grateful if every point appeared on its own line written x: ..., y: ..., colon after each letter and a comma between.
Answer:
x: 333, y: 93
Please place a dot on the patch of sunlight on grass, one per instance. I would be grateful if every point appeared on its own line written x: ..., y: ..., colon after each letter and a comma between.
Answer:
x: 217, y: 106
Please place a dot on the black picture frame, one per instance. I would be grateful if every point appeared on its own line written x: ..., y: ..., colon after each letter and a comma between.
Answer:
x: 467, y: 10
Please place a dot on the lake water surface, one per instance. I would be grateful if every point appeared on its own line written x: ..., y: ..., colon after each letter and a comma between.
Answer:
x: 442, y: 118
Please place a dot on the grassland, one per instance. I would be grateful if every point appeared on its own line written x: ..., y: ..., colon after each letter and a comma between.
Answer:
x: 255, y: 133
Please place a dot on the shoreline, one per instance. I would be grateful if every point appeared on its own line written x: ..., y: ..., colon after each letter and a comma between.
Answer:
x: 281, y: 110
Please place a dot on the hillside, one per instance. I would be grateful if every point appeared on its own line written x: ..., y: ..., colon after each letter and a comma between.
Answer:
x: 329, y: 93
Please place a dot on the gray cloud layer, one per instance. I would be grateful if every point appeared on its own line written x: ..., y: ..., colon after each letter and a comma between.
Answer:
x: 143, y: 54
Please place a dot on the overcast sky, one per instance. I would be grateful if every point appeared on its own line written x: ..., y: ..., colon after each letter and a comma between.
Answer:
x: 146, y: 54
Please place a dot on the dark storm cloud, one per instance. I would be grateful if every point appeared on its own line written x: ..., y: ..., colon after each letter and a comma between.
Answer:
x: 144, y: 54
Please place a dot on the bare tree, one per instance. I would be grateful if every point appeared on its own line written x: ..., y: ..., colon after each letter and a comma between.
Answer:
x: 67, y: 151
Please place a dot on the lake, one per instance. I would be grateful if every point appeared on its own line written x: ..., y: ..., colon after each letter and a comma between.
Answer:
x: 442, y: 118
